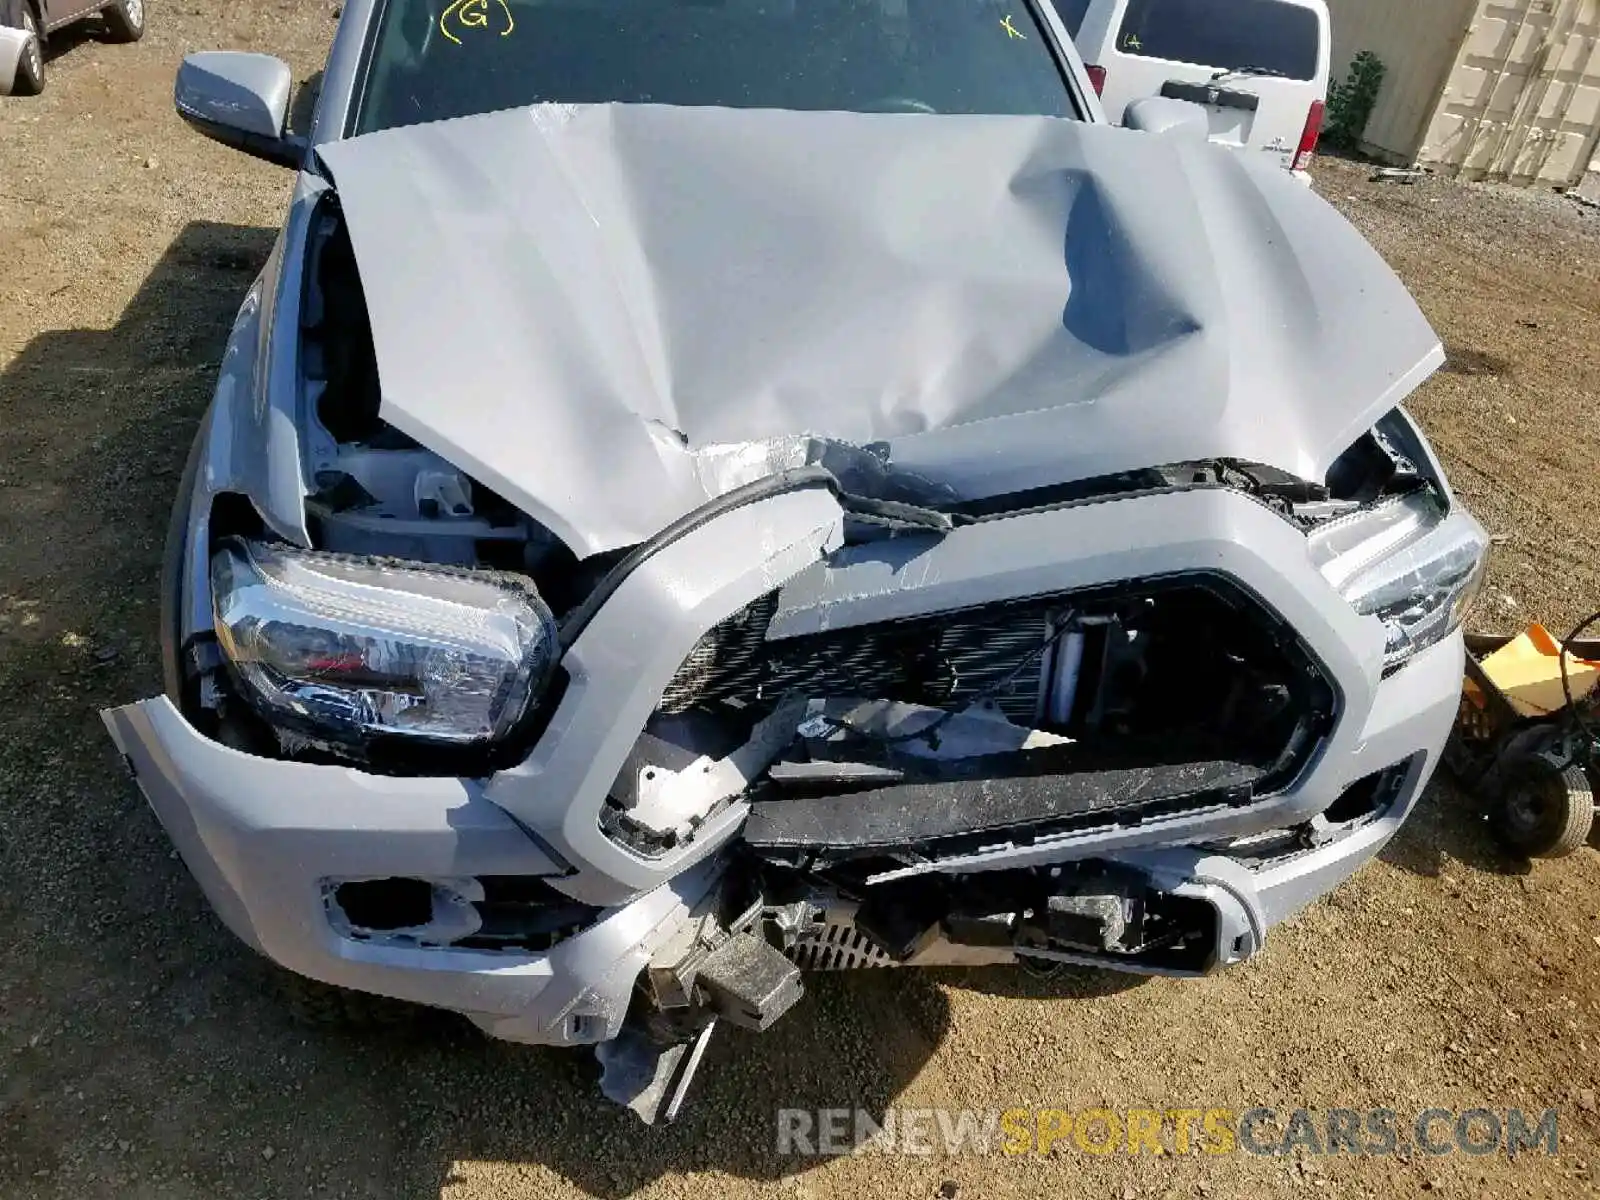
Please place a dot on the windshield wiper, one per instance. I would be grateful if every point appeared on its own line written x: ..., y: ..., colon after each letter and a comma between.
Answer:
x: 1250, y: 69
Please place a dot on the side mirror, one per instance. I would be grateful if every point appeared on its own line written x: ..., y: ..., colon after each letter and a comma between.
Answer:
x: 240, y: 100
x: 1159, y: 114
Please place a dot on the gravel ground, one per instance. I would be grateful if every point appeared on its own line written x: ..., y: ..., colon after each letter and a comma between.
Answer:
x: 1511, y: 280
x: 144, y: 1053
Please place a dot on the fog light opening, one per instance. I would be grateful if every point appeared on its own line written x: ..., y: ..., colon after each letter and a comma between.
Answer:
x: 385, y: 905
x: 1368, y: 797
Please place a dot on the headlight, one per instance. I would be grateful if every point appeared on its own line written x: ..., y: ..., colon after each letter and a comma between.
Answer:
x: 1409, y: 563
x: 346, y: 648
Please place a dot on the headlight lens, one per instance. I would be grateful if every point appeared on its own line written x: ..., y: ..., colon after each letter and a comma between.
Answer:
x: 1408, y: 562
x: 346, y: 648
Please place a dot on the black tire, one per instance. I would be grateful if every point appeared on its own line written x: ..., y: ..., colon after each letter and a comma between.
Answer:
x: 30, y: 67
x: 124, y: 20
x: 1540, y: 812
x: 312, y: 1002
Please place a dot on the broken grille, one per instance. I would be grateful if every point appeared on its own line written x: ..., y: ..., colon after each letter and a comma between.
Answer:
x: 954, y: 658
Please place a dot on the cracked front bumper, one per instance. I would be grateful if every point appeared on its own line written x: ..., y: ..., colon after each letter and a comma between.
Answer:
x: 265, y: 837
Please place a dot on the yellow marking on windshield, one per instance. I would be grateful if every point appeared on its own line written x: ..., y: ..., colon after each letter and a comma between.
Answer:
x: 1011, y: 30
x: 472, y: 14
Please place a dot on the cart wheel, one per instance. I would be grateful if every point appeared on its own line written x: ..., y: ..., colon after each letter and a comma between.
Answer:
x: 1540, y: 812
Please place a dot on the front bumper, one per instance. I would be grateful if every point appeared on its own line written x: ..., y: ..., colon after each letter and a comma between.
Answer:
x: 12, y: 44
x: 263, y: 837
x: 267, y: 839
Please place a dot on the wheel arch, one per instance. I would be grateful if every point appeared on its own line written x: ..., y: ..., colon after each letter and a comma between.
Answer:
x: 11, y: 12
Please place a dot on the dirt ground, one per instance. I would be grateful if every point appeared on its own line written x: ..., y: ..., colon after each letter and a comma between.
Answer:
x: 143, y: 1053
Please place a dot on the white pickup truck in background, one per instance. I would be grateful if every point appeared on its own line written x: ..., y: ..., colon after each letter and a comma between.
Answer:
x: 1260, y: 67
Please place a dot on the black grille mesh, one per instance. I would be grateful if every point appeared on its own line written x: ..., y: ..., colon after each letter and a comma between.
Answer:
x: 951, y: 658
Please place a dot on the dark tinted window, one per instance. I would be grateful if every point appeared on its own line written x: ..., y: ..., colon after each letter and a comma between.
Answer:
x: 1268, y: 35
x: 434, y: 59
x: 1072, y: 14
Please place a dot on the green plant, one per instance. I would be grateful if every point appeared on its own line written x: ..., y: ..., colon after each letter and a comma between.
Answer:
x: 1350, y: 103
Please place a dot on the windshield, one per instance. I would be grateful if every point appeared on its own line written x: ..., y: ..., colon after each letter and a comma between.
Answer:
x: 432, y: 59
x: 1267, y: 37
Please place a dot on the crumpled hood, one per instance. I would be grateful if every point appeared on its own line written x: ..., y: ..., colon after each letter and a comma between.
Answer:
x: 594, y: 309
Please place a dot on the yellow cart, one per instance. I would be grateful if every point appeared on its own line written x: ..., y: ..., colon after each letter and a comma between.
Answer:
x: 1527, y: 740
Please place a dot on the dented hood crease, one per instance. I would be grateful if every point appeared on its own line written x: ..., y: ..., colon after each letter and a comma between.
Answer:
x: 581, y: 306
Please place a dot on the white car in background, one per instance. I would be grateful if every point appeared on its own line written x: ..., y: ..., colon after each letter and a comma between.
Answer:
x: 26, y: 27
x: 1260, y: 67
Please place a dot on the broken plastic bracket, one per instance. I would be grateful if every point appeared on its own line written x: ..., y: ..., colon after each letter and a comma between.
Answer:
x: 650, y: 1079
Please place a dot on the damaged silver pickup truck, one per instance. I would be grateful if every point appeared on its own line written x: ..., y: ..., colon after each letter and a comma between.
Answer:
x: 704, y: 490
